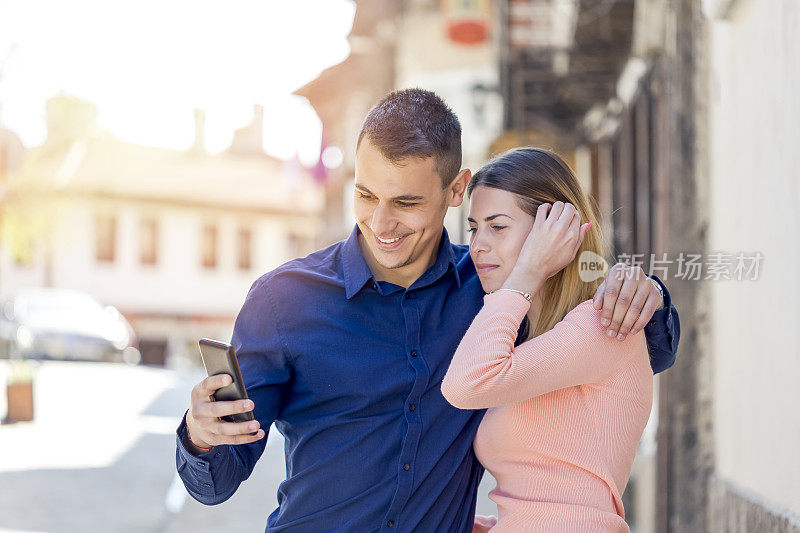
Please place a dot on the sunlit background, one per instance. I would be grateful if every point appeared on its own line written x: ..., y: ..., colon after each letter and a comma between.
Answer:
x: 158, y: 157
x: 147, y: 66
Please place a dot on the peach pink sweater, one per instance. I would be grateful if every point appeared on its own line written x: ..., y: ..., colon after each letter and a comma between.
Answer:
x: 566, y: 411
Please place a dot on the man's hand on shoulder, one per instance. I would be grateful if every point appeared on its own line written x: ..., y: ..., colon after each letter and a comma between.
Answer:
x: 627, y: 299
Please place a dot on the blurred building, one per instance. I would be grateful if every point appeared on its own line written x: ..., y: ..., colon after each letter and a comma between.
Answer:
x: 399, y: 44
x: 172, y: 238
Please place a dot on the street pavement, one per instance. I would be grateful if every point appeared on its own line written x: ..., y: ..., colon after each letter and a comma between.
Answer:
x: 100, y: 456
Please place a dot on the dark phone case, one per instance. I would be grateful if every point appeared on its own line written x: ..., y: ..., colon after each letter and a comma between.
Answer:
x: 220, y: 358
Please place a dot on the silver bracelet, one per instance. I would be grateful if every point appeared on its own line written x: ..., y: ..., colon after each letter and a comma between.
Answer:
x: 525, y: 294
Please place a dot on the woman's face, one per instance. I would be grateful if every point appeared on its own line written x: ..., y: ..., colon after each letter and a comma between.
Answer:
x: 498, y: 229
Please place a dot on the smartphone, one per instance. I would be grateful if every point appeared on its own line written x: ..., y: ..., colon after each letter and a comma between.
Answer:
x: 220, y: 358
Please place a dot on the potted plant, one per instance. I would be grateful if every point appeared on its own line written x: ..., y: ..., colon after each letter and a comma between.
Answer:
x: 19, y: 391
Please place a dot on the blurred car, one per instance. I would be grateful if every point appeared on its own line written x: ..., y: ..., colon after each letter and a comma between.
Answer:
x: 65, y: 324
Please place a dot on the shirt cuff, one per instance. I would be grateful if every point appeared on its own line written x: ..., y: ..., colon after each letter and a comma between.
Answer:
x: 663, y: 333
x: 195, y: 470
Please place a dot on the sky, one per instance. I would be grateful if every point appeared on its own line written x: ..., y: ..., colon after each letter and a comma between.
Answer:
x: 147, y: 65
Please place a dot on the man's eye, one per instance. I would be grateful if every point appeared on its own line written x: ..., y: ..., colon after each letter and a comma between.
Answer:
x: 362, y: 195
x: 472, y: 230
x: 406, y: 204
x: 498, y: 228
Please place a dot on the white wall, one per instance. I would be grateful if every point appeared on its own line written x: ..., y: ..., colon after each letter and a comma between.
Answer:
x: 755, y: 200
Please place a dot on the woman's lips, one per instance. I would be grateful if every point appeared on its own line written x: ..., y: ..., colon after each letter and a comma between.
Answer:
x: 483, y: 269
x: 390, y: 246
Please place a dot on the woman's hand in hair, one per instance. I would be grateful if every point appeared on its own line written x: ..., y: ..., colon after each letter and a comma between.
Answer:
x: 551, y: 245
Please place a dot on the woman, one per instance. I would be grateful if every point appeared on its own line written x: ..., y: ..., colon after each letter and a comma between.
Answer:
x: 567, y: 404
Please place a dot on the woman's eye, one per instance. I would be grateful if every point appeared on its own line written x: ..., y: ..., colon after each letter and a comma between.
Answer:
x: 496, y: 228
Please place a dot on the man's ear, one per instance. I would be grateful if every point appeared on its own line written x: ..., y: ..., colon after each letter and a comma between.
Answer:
x: 458, y: 187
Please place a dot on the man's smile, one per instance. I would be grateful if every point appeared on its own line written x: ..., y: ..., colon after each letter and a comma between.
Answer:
x: 390, y: 244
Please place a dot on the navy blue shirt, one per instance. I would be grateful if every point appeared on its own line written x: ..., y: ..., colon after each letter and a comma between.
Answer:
x: 349, y: 369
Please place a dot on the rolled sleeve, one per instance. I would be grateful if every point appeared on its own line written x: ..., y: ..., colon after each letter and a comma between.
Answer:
x: 663, y: 332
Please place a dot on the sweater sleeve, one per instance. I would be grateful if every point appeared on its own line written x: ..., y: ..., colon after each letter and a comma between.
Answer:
x: 488, y: 371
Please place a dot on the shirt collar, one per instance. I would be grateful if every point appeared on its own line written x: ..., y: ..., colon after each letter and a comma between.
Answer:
x: 357, y: 272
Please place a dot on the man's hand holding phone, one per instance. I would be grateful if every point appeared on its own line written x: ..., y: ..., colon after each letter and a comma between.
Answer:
x: 205, y: 429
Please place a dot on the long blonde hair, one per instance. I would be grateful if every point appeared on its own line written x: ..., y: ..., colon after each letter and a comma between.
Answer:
x: 536, y: 176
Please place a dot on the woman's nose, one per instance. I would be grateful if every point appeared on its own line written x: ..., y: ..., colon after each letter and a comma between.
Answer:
x: 479, y: 242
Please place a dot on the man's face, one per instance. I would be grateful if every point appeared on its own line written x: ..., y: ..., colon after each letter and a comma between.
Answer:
x: 399, y: 209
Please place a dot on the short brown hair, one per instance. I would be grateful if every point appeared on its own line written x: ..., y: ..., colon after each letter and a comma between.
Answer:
x: 415, y: 123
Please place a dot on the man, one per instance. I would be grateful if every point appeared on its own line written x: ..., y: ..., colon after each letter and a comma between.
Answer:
x: 345, y: 350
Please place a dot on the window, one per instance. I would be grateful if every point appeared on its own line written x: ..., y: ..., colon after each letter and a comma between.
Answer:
x: 244, y: 249
x: 148, y: 241
x: 209, y: 246
x: 105, y: 238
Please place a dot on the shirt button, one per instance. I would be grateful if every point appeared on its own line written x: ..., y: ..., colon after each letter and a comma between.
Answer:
x: 406, y: 467
x: 413, y: 353
x: 412, y: 407
x: 217, y: 454
x: 390, y: 523
x: 408, y: 295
